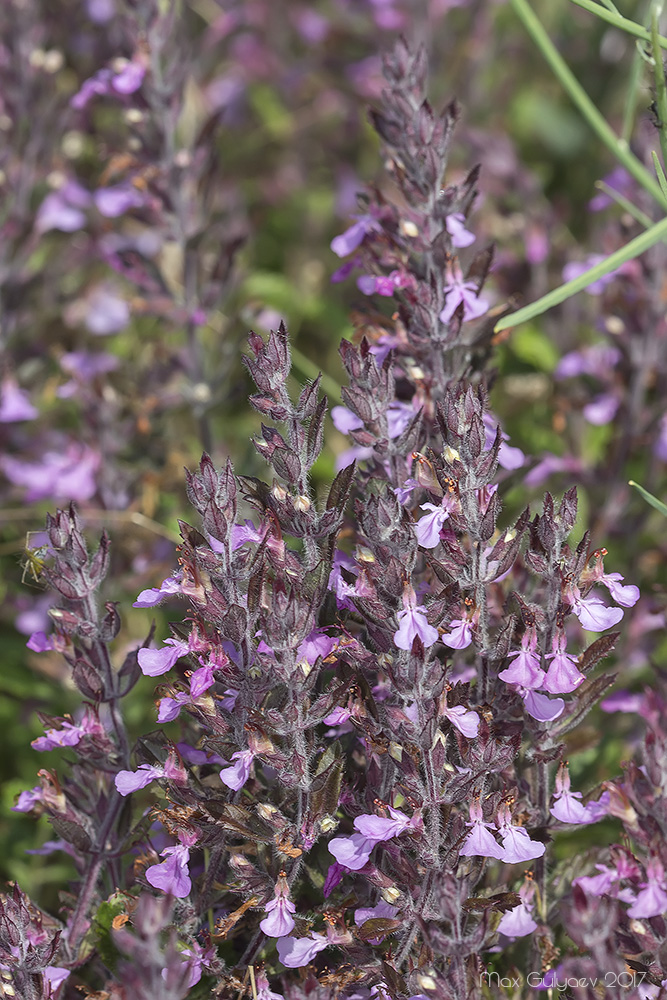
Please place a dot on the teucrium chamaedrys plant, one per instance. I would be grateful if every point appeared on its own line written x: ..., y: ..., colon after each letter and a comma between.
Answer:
x: 375, y: 696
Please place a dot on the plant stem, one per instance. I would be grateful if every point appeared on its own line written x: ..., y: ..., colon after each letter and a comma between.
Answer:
x: 598, y: 124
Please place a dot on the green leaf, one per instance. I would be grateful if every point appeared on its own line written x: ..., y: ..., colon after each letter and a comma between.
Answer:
x: 654, y: 502
x: 532, y: 346
x: 632, y: 249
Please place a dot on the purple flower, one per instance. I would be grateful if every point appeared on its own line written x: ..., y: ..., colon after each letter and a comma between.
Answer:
x: 460, y: 634
x: 279, y: 922
x: 294, y: 953
x: 154, y: 662
x: 427, y: 528
x: 626, y: 595
x: 28, y: 799
x: 509, y: 458
x: 517, y: 845
x: 69, y: 735
x: 525, y: 671
x: 67, y: 474
x: 149, y: 598
x: 601, y: 410
x: 334, y: 877
x: 15, y: 404
x: 541, y: 707
x: 518, y: 922
x: 62, y: 209
x: 345, y: 420
x: 129, y: 78
x: 242, y: 533
x: 479, y: 841
x: 317, y: 643
x: 567, y: 809
x: 172, y: 875
x: 458, y: 292
x: 236, y: 775
x: 114, y: 201
x: 412, y: 622
x: 169, y: 707
x: 594, y: 615
x: 463, y: 719
x: 563, y: 675
x: 381, y: 910
x: 594, y: 360
x: 131, y: 781
x: 106, y: 311
x: 455, y: 224
x: 353, y: 852
x: 652, y: 900
x: 348, y: 241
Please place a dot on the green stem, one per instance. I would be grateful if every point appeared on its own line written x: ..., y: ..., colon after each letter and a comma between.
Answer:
x: 625, y: 203
x: 620, y: 22
x: 618, y: 147
x: 644, y: 241
x: 660, y: 85
x: 631, y: 96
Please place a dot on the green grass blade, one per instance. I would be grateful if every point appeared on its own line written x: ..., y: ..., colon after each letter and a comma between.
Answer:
x: 625, y: 203
x: 632, y: 249
x: 580, y: 98
x: 654, y: 502
x: 623, y: 23
x: 660, y: 173
x: 659, y: 76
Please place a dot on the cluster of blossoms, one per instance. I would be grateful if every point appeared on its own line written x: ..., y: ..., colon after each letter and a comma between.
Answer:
x: 363, y: 691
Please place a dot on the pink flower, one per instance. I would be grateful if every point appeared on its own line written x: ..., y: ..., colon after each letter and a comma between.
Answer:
x: 172, y: 875
x: 462, y: 292
x: 427, y: 529
x: 345, y: 420
x: 353, y: 852
x: 15, y: 404
x: 566, y: 807
x: 460, y: 634
x: 114, y: 201
x: 541, y: 707
x: 519, y: 922
x: 154, y: 662
x: 479, y: 841
x: 412, y: 622
x: 294, y: 953
x: 237, y: 774
x: 525, y: 671
x: 132, y: 781
x: 463, y: 719
x: 28, y: 799
x: 169, y: 708
x: 69, y: 735
x: 593, y: 614
x: 201, y: 680
x: 517, y: 845
x: 352, y: 238
x: 455, y: 224
x: 626, y: 595
x: 652, y: 900
x: 149, y: 598
x: 563, y: 675
x: 279, y: 921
